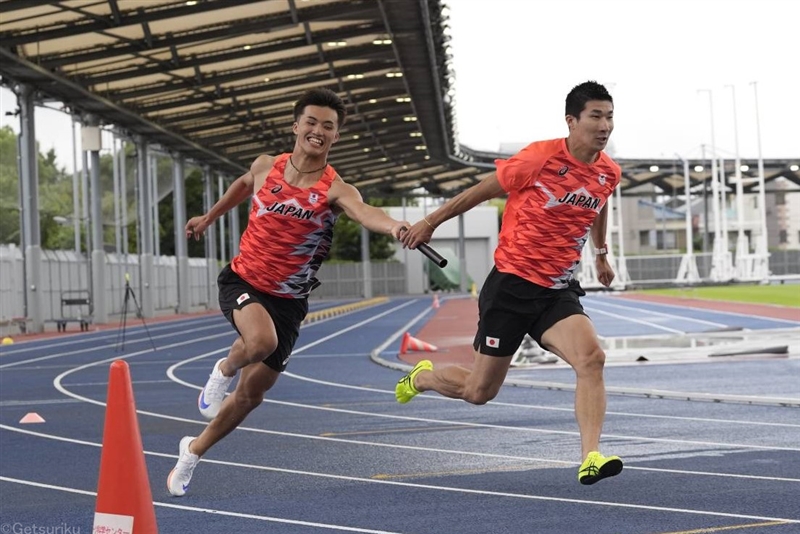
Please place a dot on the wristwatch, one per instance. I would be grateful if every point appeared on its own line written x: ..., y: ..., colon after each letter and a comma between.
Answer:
x: 600, y: 251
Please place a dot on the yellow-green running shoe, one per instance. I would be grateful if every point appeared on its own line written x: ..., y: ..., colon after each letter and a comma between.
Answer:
x: 405, y: 390
x: 597, y: 467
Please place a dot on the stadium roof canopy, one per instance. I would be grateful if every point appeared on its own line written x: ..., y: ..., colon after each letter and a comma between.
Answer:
x: 215, y: 80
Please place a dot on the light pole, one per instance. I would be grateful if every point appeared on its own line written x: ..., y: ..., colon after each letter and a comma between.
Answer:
x: 688, y: 268
x: 717, y: 258
x: 761, y: 269
x: 76, y: 223
x: 742, y: 248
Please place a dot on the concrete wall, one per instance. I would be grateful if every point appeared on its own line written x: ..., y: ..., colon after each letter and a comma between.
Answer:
x: 481, y: 227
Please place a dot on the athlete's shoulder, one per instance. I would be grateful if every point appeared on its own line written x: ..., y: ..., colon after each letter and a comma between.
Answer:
x: 541, y: 149
x: 520, y: 170
x: 339, y: 188
x: 609, y: 162
x: 263, y: 161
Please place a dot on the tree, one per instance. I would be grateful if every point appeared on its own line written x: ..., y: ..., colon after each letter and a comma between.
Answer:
x: 9, y: 187
x: 55, y: 195
x: 193, y: 192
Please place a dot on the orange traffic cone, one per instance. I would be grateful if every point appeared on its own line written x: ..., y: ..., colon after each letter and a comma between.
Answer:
x: 124, y: 501
x: 409, y: 342
x: 436, y: 301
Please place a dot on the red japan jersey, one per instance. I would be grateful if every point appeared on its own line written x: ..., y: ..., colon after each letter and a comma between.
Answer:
x: 288, y: 235
x: 553, y: 199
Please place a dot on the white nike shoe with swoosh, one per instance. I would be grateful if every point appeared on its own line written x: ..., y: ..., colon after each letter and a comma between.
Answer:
x: 180, y: 476
x: 211, y: 396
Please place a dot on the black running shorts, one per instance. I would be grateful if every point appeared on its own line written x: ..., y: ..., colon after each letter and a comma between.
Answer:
x: 510, y: 307
x: 286, y: 313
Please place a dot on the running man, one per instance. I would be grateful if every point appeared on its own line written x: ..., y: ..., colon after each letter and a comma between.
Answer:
x: 557, y: 192
x: 264, y: 291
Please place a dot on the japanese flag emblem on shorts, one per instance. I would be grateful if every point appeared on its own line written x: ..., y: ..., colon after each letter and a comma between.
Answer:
x: 493, y: 342
x: 243, y: 297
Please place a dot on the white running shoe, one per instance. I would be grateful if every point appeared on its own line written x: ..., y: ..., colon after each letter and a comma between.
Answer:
x: 181, y: 474
x: 211, y: 396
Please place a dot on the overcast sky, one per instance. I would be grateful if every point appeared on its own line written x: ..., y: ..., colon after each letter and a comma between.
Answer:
x: 515, y: 61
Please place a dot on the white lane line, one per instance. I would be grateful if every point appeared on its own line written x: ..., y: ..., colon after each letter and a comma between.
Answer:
x: 173, y: 377
x: 84, y: 350
x: 644, y: 303
x: 635, y: 309
x: 637, y: 321
x: 451, y: 489
x: 35, y: 368
x: 649, y: 393
x: 504, y: 427
x: 58, y: 386
x: 221, y: 324
x: 105, y: 334
x: 35, y: 402
x: 333, y: 355
x: 170, y: 372
x: 416, y: 448
x: 405, y: 328
x: 536, y: 406
x: 105, y: 383
x: 238, y: 515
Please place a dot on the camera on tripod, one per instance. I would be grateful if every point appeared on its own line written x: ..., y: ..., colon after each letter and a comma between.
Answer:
x: 123, y: 320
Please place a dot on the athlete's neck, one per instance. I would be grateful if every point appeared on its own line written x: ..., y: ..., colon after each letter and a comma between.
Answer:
x: 582, y: 153
x: 304, y: 165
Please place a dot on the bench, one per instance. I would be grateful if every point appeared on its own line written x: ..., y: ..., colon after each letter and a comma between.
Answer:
x: 80, y: 299
x: 20, y: 322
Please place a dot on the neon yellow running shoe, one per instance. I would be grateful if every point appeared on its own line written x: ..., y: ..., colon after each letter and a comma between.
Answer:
x: 405, y: 390
x: 597, y: 467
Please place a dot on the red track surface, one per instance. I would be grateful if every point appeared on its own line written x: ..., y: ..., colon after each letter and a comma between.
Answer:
x: 452, y: 328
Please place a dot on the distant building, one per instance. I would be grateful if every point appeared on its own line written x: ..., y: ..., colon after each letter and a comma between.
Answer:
x: 656, y: 223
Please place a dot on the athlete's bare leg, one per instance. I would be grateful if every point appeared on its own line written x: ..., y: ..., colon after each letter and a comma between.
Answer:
x: 257, y: 341
x: 575, y: 341
x: 255, y: 380
x: 476, y: 386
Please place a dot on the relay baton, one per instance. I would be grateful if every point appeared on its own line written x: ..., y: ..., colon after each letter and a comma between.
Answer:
x: 428, y: 251
x: 432, y: 255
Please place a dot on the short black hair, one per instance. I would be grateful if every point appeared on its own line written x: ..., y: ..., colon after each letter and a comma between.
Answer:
x: 583, y: 93
x: 324, y: 98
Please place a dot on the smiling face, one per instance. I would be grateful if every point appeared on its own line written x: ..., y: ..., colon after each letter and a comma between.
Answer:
x: 593, y: 127
x: 317, y: 128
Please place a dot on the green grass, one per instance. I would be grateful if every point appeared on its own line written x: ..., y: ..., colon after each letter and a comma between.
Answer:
x: 783, y: 295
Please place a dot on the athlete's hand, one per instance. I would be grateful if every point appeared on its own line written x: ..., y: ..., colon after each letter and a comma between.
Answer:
x: 196, y: 227
x: 605, y: 274
x: 397, y: 229
x: 416, y: 235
